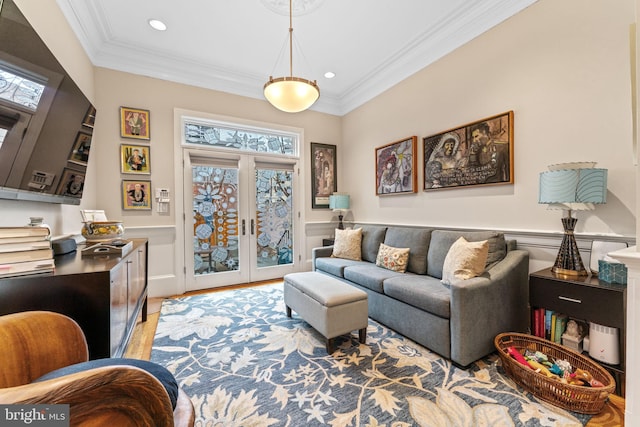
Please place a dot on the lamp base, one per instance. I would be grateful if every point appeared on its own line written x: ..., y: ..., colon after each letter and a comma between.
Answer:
x: 340, y: 224
x: 568, y: 261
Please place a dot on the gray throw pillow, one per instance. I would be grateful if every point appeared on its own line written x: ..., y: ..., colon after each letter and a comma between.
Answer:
x: 417, y: 240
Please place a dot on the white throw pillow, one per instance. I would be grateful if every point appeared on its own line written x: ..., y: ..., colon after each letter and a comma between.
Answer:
x: 394, y: 259
x: 348, y: 244
x: 464, y: 260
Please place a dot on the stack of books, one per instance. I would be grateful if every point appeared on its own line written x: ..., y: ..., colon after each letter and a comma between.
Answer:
x: 25, y: 250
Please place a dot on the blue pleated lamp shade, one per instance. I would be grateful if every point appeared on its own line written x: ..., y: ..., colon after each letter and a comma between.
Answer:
x: 339, y: 202
x: 571, y: 186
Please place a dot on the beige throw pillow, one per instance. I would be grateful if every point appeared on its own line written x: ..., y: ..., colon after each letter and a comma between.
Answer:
x: 394, y: 259
x: 347, y: 244
x: 464, y: 260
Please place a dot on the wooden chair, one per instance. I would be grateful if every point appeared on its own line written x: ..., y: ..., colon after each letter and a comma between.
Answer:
x: 35, y: 343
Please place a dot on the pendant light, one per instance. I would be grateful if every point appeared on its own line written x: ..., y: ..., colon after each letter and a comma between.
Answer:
x: 291, y: 94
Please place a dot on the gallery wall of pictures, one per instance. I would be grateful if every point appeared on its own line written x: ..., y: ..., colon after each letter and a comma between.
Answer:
x: 476, y: 154
x: 135, y: 159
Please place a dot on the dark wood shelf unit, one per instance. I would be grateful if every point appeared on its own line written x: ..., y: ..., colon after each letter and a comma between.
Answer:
x: 105, y: 294
x: 588, y: 299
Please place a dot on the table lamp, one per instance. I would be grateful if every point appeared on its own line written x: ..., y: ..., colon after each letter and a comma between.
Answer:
x: 339, y: 202
x: 569, y: 187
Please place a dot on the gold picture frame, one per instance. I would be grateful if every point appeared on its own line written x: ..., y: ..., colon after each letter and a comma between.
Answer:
x: 135, y: 159
x: 136, y: 195
x: 134, y: 123
x: 479, y: 153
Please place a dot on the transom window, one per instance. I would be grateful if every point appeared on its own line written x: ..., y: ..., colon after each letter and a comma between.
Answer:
x: 20, y: 90
x: 239, y: 138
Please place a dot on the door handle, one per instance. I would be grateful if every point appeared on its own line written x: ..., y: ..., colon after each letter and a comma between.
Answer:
x: 252, y: 227
x: 244, y: 228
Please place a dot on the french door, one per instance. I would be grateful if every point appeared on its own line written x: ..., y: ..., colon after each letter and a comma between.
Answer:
x: 240, y: 216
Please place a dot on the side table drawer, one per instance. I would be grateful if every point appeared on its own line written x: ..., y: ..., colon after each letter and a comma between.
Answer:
x: 582, y: 302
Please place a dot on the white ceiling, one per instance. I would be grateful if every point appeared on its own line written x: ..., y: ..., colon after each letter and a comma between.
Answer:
x: 235, y: 45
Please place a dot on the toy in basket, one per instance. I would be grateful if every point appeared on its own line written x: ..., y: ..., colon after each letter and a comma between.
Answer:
x: 588, y: 396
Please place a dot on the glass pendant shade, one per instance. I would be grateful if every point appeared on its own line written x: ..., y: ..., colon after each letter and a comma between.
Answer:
x: 291, y: 94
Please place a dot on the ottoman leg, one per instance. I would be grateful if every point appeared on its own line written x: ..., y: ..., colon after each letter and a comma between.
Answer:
x: 331, y: 345
x: 288, y: 311
x: 362, y: 334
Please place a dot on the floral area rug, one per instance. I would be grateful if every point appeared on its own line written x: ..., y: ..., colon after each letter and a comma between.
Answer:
x: 244, y: 363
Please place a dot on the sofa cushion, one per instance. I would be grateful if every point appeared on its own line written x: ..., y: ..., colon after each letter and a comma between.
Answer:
x: 423, y: 292
x: 394, y: 259
x: 441, y: 241
x: 464, y: 260
x: 417, y: 240
x: 335, y: 266
x: 347, y: 244
x: 372, y: 236
x: 369, y: 276
x: 161, y: 373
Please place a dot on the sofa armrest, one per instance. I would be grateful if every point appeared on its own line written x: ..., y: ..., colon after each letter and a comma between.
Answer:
x: 484, y: 306
x: 321, y: 252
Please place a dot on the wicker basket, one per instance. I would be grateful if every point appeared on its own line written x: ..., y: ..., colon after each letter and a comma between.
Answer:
x: 582, y: 399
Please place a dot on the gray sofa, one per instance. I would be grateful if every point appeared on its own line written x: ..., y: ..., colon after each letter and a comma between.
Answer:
x: 458, y: 321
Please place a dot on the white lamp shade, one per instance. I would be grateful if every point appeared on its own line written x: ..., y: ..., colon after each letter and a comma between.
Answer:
x: 575, y: 189
x: 339, y: 202
x: 291, y: 94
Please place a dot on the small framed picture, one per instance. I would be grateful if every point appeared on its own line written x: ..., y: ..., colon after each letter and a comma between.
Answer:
x: 134, y: 123
x: 396, y: 167
x: 71, y: 183
x: 323, y: 174
x: 90, y: 117
x: 81, y: 147
x: 135, y: 159
x: 136, y: 195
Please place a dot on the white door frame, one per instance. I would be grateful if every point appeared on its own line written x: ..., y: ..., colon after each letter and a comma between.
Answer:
x: 180, y: 148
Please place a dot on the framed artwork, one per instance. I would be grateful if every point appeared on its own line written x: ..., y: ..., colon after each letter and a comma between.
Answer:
x: 89, y: 118
x: 324, y: 180
x: 479, y: 153
x: 134, y: 123
x: 135, y: 159
x: 71, y: 183
x: 136, y: 195
x: 396, y: 167
x: 81, y: 148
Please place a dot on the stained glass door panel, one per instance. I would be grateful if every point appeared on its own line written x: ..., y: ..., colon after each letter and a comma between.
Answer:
x: 215, y: 219
x: 274, y: 217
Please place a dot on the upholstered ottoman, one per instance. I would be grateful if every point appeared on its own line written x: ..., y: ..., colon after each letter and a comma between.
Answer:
x: 332, y: 307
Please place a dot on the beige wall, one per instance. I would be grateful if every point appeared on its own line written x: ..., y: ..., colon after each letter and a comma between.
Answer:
x: 563, y: 68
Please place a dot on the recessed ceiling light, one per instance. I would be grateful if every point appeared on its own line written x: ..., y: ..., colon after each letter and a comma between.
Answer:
x: 156, y: 24
x: 329, y: 74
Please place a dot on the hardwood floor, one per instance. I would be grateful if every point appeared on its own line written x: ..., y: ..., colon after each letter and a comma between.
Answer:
x: 142, y: 339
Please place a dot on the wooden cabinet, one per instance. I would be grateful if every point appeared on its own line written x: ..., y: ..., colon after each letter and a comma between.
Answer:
x: 588, y: 299
x: 104, y: 294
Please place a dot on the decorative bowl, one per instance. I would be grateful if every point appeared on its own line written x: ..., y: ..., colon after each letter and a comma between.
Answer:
x: 102, y: 230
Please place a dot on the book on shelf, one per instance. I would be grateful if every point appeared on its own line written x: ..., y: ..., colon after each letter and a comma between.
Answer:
x: 33, y: 255
x: 26, y: 231
x: 24, y: 246
x: 26, y: 267
x: 547, y: 323
x: 561, y: 326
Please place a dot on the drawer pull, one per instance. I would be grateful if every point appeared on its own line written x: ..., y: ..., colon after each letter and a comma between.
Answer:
x: 570, y: 299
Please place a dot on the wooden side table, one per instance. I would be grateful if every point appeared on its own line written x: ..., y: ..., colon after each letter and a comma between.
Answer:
x: 588, y: 299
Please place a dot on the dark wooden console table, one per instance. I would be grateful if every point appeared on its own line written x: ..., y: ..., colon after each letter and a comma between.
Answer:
x: 588, y: 299
x: 105, y: 294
